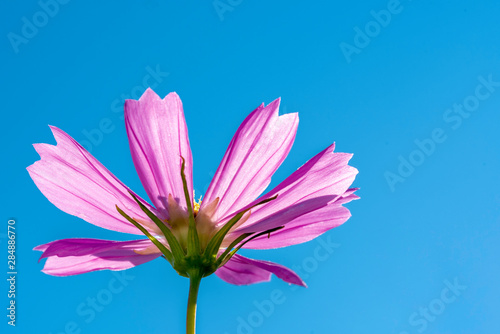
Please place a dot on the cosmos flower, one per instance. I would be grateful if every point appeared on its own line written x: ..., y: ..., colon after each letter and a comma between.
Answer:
x: 197, y: 238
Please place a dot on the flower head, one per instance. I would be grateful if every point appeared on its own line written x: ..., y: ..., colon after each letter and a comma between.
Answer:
x: 203, y: 235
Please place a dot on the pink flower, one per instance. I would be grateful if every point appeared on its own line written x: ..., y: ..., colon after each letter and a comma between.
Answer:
x: 302, y: 207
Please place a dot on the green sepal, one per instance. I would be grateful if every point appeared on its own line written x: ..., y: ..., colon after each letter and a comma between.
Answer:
x: 214, y: 243
x: 166, y: 253
x: 193, y: 245
x: 175, y: 247
x: 229, y: 252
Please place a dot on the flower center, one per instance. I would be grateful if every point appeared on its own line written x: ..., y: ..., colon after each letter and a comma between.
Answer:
x: 196, y: 205
x: 195, y: 245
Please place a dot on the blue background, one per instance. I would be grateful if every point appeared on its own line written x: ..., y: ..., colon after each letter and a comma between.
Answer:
x: 402, y: 244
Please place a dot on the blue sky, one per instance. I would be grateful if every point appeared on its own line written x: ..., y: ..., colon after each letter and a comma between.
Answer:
x: 412, y: 88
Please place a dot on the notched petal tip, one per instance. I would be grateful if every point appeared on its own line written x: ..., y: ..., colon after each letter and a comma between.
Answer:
x: 59, y: 134
x: 31, y: 168
x: 148, y: 96
x: 172, y: 96
x: 274, y: 105
x: 41, y: 248
x: 53, y: 127
x: 302, y: 284
x: 40, y: 148
x: 277, y: 100
x: 350, y: 192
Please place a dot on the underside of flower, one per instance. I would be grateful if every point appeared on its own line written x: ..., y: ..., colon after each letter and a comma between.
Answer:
x: 190, y: 242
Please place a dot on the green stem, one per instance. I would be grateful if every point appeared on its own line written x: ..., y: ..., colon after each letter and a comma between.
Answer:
x: 194, y: 285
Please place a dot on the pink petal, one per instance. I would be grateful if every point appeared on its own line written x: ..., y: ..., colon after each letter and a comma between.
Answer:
x: 258, y: 148
x: 306, y: 227
x: 319, y: 182
x: 241, y: 270
x: 158, y: 137
x: 78, y: 184
x: 77, y: 256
